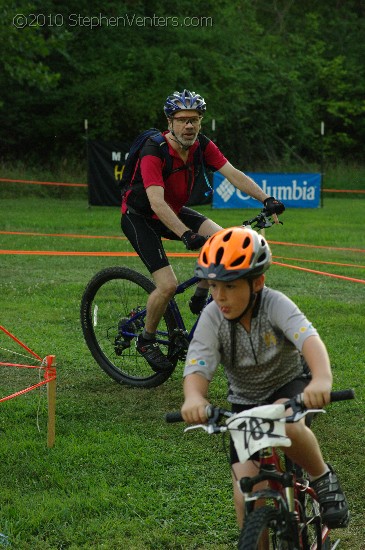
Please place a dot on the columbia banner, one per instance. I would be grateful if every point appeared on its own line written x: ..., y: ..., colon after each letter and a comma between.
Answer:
x: 295, y: 190
x: 105, y: 170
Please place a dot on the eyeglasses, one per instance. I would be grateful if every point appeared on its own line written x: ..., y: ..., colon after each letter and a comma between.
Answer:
x: 187, y: 120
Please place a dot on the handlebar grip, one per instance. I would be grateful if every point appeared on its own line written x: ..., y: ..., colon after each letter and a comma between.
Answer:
x: 174, y: 417
x: 342, y: 395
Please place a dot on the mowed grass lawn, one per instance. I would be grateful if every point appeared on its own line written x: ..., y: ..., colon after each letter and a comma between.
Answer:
x: 118, y: 477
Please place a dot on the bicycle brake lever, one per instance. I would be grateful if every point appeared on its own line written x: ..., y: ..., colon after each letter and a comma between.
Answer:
x: 209, y: 428
x: 299, y: 415
x: 206, y: 427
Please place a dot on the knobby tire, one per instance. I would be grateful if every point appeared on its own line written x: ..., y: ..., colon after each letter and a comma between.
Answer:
x: 109, y: 300
x: 261, y: 520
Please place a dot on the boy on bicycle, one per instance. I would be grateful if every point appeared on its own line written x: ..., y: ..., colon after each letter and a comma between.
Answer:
x: 265, y: 344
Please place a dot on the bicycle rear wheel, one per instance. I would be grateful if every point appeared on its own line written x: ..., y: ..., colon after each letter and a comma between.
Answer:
x: 112, y: 316
x: 265, y: 522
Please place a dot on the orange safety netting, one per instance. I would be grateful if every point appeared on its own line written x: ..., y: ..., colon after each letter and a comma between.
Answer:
x: 45, y: 364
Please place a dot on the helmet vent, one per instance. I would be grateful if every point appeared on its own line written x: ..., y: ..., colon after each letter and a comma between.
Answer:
x: 227, y: 236
x: 219, y: 255
x: 246, y: 242
x: 205, y: 259
x: 238, y: 261
x: 262, y: 258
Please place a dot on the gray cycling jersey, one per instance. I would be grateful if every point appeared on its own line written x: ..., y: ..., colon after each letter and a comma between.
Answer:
x: 265, y: 359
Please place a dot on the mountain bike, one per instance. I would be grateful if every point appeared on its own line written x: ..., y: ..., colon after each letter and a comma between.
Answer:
x: 113, y: 311
x: 290, y: 518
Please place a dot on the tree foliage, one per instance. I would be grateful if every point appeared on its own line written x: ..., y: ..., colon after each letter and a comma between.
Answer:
x: 270, y: 71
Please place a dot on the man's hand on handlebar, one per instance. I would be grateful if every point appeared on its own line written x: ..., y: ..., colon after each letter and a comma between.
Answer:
x: 262, y: 220
x: 273, y: 206
x: 192, y: 241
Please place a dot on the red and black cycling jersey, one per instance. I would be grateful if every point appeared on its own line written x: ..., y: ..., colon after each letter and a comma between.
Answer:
x: 178, y: 185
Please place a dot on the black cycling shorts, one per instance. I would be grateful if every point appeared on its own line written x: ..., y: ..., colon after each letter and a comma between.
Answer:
x: 288, y: 391
x: 145, y: 235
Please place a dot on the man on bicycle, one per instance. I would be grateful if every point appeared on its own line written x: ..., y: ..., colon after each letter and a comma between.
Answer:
x: 266, y: 346
x: 154, y: 207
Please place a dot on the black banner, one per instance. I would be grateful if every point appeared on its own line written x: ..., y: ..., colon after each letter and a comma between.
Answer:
x: 105, y: 169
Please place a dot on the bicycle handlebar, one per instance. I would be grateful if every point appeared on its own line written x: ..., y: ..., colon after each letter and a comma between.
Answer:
x: 262, y: 220
x: 342, y: 395
x: 216, y: 413
x: 174, y: 417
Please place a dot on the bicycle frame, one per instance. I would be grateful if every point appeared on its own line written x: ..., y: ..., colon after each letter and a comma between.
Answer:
x: 283, y: 490
x: 161, y: 336
x: 176, y: 311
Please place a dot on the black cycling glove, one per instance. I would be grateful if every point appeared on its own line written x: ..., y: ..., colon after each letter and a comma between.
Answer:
x: 273, y: 206
x: 192, y: 240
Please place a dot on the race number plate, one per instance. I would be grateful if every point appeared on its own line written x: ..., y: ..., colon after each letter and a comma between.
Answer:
x: 258, y: 428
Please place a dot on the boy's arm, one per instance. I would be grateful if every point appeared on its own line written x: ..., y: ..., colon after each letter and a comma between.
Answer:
x: 317, y: 393
x: 195, y: 391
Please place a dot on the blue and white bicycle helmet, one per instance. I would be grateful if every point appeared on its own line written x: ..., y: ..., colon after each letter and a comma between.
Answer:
x: 178, y: 101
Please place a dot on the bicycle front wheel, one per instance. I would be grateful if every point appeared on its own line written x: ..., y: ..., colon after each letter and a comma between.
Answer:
x: 112, y: 316
x: 265, y: 526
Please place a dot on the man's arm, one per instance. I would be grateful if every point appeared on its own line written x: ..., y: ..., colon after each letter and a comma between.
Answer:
x: 156, y: 196
x: 250, y: 187
x: 243, y: 182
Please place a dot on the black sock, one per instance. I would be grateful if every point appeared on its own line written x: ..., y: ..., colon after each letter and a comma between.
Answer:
x: 148, y: 335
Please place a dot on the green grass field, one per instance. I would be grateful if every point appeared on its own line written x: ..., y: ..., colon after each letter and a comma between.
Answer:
x: 118, y: 477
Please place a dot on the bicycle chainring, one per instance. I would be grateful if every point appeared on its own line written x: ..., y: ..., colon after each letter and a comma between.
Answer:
x: 179, y: 344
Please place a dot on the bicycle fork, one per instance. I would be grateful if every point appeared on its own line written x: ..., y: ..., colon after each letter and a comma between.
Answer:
x: 280, y: 492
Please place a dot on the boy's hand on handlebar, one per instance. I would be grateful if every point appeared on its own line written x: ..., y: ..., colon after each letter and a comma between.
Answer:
x: 193, y: 410
x: 317, y: 394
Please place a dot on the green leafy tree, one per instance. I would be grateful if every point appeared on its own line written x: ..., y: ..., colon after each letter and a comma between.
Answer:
x: 270, y: 72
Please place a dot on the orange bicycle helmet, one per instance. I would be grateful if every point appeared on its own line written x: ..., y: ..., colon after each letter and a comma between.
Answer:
x: 233, y: 253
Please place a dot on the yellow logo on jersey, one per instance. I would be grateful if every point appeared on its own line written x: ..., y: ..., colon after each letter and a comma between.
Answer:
x: 270, y: 339
x: 201, y: 362
x: 302, y: 330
